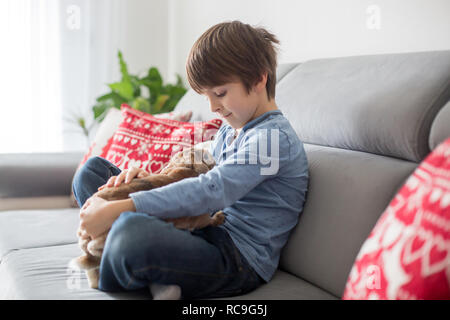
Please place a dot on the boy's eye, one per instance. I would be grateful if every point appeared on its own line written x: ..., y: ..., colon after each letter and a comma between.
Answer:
x: 220, y: 95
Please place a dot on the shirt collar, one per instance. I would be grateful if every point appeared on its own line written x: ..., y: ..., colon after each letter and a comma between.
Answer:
x: 259, y: 119
x: 230, y: 136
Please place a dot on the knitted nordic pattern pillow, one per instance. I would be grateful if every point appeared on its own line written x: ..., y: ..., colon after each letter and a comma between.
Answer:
x: 407, y: 254
x: 148, y: 142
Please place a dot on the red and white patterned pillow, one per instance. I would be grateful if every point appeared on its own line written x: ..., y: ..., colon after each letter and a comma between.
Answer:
x: 148, y: 142
x: 103, y: 137
x: 407, y: 254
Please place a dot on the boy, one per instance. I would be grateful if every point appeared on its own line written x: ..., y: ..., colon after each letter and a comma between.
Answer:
x: 233, y: 65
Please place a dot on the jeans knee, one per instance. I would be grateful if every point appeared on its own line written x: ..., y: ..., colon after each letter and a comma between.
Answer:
x: 127, y: 247
x: 124, y: 237
x: 119, y: 236
x: 93, y: 168
x: 90, y: 165
x: 130, y: 235
x: 95, y: 162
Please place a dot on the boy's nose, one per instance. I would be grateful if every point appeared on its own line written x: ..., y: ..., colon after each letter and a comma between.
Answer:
x: 214, y: 106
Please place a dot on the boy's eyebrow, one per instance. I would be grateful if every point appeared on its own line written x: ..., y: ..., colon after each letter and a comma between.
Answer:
x: 212, y: 88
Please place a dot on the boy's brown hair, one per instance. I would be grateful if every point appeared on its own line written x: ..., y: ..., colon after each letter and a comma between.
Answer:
x: 233, y: 50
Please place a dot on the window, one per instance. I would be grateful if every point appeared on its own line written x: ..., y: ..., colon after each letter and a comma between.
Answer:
x: 30, y: 109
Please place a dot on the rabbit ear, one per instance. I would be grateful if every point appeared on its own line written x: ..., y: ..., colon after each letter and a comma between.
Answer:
x: 176, y: 159
x: 188, y: 156
x: 208, y: 159
x: 203, y: 156
x: 198, y: 156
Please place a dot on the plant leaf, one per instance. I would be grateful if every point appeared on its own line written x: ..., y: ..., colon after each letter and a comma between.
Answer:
x: 163, y: 98
x: 153, y: 81
x: 141, y: 104
x: 154, y: 89
x: 123, y: 68
x: 112, y: 98
x: 124, y: 89
x: 179, y: 81
x: 160, y: 101
x: 100, y: 110
x: 154, y: 75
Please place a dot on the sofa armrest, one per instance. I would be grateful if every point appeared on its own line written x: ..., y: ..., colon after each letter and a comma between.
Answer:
x: 32, y: 175
x: 36, y: 203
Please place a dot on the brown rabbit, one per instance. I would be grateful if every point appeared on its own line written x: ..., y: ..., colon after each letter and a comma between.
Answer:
x: 190, y: 162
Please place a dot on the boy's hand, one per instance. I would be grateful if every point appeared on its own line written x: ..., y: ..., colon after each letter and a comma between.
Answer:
x: 95, y: 218
x: 127, y: 175
x: 97, y: 215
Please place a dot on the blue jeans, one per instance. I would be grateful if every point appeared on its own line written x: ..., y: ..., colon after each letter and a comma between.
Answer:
x: 141, y: 249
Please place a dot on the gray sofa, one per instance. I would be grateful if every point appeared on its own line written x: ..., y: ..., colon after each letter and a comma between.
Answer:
x: 366, y: 121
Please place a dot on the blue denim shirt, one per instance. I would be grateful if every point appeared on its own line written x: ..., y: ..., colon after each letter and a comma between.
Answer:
x: 259, y: 181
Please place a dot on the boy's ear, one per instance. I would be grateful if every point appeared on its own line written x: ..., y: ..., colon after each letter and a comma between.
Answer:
x: 261, y: 84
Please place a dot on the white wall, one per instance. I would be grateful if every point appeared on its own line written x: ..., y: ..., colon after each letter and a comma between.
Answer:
x: 89, y: 61
x: 145, y: 37
x: 321, y: 28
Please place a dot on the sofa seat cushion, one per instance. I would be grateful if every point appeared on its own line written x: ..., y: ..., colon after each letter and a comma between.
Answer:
x: 44, y: 273
x: 285, y: 286
x: 20, y: 229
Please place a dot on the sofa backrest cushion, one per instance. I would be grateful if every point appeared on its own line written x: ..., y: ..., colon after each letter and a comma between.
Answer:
x: 382, y: 104
x: 440, y: 129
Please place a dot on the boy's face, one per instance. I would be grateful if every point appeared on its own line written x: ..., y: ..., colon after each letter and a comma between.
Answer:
x: 232, y: 102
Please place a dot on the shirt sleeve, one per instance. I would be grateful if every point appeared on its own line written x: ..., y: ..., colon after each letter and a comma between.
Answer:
x: 217, y: 189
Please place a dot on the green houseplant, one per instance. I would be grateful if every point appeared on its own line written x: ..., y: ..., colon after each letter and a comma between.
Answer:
x: 162, y: 97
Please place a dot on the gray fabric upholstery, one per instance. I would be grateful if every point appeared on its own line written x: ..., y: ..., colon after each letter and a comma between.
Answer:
x: 33, y: 203
x: 285, y: 286
x: 347, y: 192
x: 37, y: 228
x: 284, y: 69
x: 440, y: 129
x: 382, y: 104
x: 44, y: 273
x: 37, y: 174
